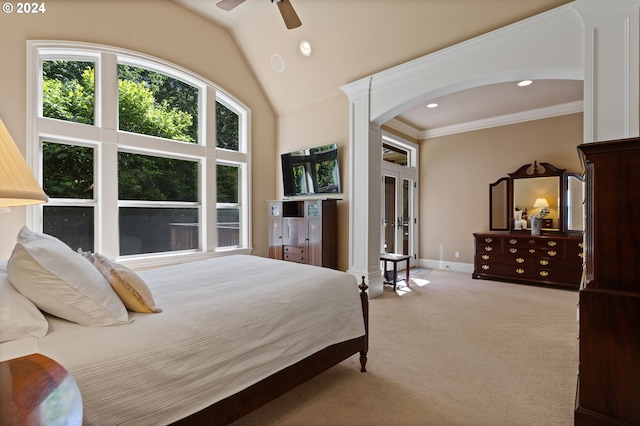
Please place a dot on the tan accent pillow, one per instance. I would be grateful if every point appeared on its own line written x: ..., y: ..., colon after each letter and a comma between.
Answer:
x: 132, y: 290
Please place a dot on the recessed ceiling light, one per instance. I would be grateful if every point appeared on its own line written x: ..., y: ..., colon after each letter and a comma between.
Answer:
x: 525, y: 83
x: 305, y: 48
x: 432, y: 105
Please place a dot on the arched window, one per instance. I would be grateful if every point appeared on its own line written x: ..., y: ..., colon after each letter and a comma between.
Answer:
x: 139, y: 157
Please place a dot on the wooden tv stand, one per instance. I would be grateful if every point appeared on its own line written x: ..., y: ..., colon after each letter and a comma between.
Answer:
x: 304, y: 231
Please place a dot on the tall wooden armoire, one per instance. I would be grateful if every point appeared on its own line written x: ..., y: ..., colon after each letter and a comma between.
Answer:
x: 609, y: 372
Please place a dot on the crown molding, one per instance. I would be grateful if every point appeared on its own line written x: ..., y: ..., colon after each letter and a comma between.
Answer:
x: 504, y: 120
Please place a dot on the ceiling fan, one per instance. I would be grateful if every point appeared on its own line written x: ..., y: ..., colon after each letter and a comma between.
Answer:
x: 289, y: 15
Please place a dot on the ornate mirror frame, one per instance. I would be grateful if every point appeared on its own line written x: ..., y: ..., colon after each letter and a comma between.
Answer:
x: 569, y: 199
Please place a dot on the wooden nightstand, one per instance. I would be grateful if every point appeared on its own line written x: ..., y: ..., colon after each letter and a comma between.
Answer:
x: 36, y: 390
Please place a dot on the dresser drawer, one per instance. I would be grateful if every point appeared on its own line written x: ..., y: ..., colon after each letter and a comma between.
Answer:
x: 548, y: 259
x: 557, y: 275
x: 524, y: 270
x: 294, y: 254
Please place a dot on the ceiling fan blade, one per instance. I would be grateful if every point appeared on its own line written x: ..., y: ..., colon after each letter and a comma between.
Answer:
x: 289, y: 15
x: 229, y: 4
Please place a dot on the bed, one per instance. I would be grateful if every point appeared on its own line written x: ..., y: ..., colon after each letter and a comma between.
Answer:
x: 222, y: 336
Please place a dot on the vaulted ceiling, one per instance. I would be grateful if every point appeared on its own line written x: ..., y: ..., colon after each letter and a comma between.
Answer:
x: 352, y: 39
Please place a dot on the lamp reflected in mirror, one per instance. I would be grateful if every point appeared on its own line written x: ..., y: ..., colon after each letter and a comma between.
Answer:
x: 543, y: 205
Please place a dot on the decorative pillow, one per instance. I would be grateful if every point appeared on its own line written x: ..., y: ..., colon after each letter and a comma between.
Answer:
x: 61, y: 282
x: 133, y: 291
x: 19, y: 317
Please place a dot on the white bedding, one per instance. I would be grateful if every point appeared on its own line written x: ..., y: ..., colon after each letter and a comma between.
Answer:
x: 227, y: 323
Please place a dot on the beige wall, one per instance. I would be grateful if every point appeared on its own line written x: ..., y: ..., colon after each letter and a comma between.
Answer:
x: 456, y: 170
x: 321, y: 123
x: 159, y: 28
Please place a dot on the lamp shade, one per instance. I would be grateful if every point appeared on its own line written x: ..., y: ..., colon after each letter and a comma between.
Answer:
x: 18, y: 185
x: 540, y: 202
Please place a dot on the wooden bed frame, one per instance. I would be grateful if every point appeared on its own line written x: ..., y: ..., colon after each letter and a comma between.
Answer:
x: 247, y: 400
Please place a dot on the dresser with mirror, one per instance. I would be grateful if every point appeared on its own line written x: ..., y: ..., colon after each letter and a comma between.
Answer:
x: 536, y: 222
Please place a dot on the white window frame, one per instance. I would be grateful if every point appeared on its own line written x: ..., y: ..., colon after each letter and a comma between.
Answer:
x: 108, y: 140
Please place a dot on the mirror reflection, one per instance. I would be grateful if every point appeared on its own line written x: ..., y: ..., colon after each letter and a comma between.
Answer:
x: 536, y: 196
x: 498, y: 198
x: 575, y: 197
x: 538, y: 190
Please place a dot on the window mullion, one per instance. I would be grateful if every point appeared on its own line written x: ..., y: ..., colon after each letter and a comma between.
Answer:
x: 107, y: 92
x: 108, y: 241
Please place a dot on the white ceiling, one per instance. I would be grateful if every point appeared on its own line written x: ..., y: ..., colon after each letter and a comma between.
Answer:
x: 352, y: 39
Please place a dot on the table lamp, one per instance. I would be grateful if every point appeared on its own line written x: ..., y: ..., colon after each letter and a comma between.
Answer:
x: 543, y: 205
x: 18, y: 185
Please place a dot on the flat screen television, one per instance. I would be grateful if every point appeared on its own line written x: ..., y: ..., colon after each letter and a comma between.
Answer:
x: 311, y: 171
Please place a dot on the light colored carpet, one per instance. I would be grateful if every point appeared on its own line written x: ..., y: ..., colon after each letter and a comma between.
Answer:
x: 449, y: 350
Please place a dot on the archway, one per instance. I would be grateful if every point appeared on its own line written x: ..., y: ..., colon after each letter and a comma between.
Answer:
x: 547, y: 46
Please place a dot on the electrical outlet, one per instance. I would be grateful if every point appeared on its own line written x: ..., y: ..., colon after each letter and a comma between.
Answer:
x: 457, y: 254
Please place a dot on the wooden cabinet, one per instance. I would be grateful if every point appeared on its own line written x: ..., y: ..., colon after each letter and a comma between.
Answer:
x: 304, y: 231
x: 609, y: 371
x: 522, y: 258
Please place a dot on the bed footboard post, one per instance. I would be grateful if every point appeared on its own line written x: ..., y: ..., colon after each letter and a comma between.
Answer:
x: 364, y: 298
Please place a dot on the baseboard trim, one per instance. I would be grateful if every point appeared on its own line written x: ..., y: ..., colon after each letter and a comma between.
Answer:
x: 446, y: 265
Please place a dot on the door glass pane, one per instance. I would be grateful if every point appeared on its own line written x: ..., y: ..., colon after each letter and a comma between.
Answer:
x: 389, y: 214
x: 406, y: 215
x: 156, y: 229
x: 68, y: 91
x: 72, y: 225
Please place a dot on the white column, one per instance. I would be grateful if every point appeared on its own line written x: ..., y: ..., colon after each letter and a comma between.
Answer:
x: 612, y: 73
x: 365, y: 149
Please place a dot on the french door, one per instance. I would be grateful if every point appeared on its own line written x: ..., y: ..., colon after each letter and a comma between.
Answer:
x: 398, y: 212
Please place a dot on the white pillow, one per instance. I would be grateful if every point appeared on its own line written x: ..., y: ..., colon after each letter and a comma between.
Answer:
x: 19, y: 317
x: 61, y: 282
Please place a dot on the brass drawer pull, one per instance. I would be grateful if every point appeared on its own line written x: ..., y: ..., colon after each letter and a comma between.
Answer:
x: 513, y: 250
x: 485, y: 267
x: 520, y: 271
x: 581, y: 255
x: 532, y: 241
x: 485, y: 257
x: 513, y: 241
x: 544, y: 262
x: 520, y: 260
x: 532, y: 250
x: 544, y: 274
x: 488, y: 239
x: 488, y: 248
x: 552, y: 253
x: 581, y: 245
x: 552, y: 243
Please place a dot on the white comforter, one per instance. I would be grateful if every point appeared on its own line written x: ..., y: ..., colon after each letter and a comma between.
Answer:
x: 226, y: 323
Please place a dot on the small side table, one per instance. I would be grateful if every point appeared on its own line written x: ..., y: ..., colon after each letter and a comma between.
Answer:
x: 395, y: 258
x: 36, y: 390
